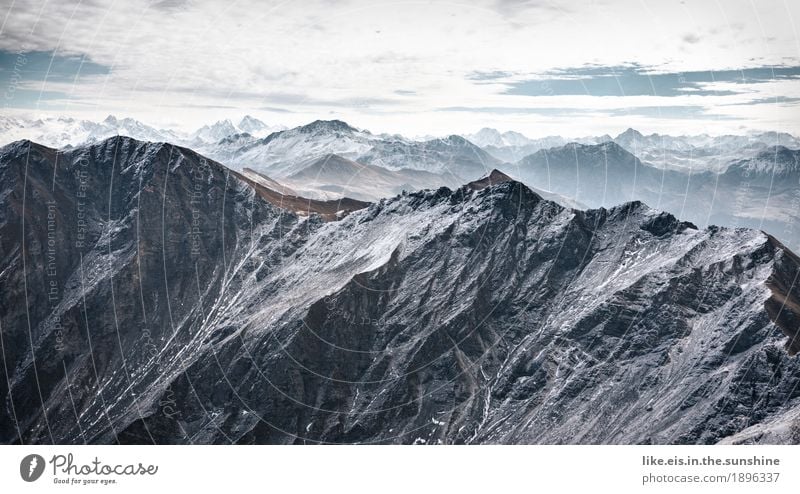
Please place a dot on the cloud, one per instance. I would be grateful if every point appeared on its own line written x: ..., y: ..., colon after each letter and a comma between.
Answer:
x: 493, y: 75
x: 687, y: 112
x: 774, y: 100
x: 690, y: 38
x: 400, y: 61
x: 522, y: 110
x: 635, y: 80
x: 170, y: 5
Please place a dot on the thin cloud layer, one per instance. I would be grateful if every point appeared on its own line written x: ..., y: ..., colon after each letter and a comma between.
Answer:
x: 536, y: 67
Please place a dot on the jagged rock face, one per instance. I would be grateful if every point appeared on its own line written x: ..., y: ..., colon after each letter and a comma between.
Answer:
x: 481, y: 315
x: 134, y: 230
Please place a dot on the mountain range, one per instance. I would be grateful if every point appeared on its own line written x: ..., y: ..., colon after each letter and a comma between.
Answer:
x: 696, y: 178
x: 512, y: 146
x: 60, y: 132
x: 282, y: 154
x: 153, y: 295
x: 695, y: 152
x: 738, y: 181
x: 760, y: 192
x: 682, y: 153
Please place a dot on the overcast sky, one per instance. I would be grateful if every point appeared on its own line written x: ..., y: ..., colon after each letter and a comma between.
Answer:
x: 538, y: 67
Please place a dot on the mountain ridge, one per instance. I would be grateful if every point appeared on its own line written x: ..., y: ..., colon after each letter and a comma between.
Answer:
x: 452, y: 316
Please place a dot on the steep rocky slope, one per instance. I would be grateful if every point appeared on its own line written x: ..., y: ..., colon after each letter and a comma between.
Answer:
x: 185, y: 308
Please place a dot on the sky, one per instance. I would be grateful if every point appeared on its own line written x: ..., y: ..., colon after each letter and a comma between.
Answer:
x: 574, y: 68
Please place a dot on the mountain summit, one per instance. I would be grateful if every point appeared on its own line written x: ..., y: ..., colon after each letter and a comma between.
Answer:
x: 326, y: 126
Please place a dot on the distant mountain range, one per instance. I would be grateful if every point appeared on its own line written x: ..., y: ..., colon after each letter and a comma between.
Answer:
x: 703, y: 152
x: 62, y: 132
x: 683, y: 153
x: 248, y: 143
x: 149, y: 294
x: 513, y: 146
x: 761, y: 192
x: 333, y: 176
x: 285, y: 153
x: 740, y: 181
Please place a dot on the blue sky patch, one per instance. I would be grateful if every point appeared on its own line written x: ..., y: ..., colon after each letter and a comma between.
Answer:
x: 634, y: 81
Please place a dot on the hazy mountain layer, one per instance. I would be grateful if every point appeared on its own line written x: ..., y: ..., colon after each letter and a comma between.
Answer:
x: 333, y: 176
x: 682, y: 153
x: 761, y: 192
x: 61, y: 132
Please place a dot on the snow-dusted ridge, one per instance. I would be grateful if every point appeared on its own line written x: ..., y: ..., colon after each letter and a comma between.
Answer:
x: 61, y: 132
x: 506, y: 317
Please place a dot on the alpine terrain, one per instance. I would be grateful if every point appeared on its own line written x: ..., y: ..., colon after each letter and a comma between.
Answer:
x: 152, y: 295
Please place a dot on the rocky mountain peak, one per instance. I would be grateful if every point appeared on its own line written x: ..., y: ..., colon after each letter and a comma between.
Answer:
x: 494, y: 177
x: 325, y: 126
x: 630, y: 134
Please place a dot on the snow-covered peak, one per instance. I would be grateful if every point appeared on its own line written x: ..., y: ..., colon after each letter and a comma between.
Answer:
x: 251, y: 125
x: 59, y: 132
x: 486, y: 137
x: 285, y: 152
x: 326, y: 127
x: 492, y: 137
x: 215, y: 132
x: 630, y: 133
